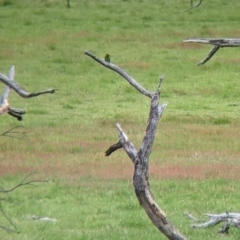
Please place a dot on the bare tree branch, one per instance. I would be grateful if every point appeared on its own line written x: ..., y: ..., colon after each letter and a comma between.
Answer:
x: 217, y: 43
x: 193, y: 6
x: 221, y: 42
x: 14, y: 229
x: 2, y: 191
x: 121, y: 72
x: 140, y: 158
x: 211, y: 53
x: 23, y: 183
x: 19, y: 90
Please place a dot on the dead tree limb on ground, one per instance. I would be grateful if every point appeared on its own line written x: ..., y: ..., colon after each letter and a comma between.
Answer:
x: 193, y: 6
x: 228, y: 220
x: 24, y: 182
x: 140, y: 158
x: 217, y: 43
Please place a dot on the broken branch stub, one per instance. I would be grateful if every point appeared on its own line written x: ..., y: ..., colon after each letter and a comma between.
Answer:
x: 140, y: 158
x: 217, y: 43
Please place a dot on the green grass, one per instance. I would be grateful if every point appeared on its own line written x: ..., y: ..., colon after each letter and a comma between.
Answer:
x: 195, y: 159
x: 90, y: 208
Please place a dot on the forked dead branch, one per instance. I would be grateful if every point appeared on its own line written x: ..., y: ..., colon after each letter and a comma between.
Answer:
x: 11, y: 84
x: 18, y: 89
x: 140, y: 158
x: 217, y: 43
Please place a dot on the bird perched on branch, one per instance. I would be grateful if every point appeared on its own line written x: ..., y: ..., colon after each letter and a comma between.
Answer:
x: 107, y: 57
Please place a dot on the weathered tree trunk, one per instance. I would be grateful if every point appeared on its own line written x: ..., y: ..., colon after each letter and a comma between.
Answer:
x: 140, y: 158
x: 217, y: 43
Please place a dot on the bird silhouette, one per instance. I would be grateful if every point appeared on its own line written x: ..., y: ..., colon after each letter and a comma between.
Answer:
x: 18, y: 89
x: 4, y: 104
x: 107, y: 57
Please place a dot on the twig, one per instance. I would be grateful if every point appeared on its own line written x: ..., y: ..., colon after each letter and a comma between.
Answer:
x: 22, y: 183
x: 193, y: 6
x: 9, y: 220
x: 5, y: 134
x: 160, y: 82
x: 192, y: 217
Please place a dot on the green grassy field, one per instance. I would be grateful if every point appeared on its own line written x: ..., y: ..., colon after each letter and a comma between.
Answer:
x: 194, y: 165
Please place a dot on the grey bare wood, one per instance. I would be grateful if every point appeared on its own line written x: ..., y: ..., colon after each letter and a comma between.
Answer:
x: 140, y: 158
x: 217, y: 43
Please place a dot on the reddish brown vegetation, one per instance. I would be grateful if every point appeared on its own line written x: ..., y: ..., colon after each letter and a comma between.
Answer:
x: 182, y: 45
x: 123, y: 169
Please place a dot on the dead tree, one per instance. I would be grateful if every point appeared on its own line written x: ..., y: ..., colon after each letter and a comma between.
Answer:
x: 140, y: 158
x: 193, y: 6
x: 217, y: 43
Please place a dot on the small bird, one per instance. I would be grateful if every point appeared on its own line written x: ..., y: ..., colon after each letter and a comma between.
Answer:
x: 107, y: 57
